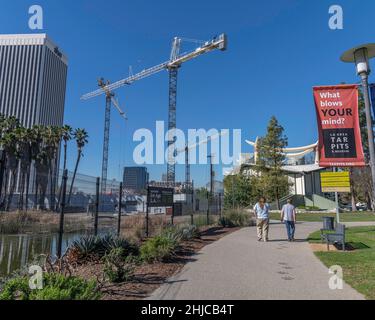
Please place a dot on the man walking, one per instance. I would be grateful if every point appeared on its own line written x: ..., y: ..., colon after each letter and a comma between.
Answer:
x: 288, y: 216
x: 261, y: 211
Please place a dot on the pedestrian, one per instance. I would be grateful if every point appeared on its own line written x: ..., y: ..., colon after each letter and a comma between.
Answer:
x: 261, y: 211
x: 288, y: 216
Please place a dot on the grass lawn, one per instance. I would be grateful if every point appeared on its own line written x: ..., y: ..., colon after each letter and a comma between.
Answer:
x: 344, y: 217
x: 358, y: 265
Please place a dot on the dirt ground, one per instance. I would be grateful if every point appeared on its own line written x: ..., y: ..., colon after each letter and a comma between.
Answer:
x: 149, y: 277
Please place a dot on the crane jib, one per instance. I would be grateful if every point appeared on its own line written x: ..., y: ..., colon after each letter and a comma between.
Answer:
x: 217, y: 43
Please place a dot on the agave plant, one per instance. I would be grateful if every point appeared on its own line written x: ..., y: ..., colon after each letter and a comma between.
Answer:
x: 190, y: 232
x: 110, y: 242
x: 172, y: 233
x: 87, y: 245
x: 102, y: 245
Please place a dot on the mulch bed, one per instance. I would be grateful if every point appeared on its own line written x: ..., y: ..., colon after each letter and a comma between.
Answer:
x: 149, y: 277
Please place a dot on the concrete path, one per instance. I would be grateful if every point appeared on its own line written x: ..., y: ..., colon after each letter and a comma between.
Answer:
x: 239, y: 267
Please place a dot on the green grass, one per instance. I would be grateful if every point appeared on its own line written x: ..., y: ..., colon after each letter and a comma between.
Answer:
x: 344, y: 217
x: 358, y: 265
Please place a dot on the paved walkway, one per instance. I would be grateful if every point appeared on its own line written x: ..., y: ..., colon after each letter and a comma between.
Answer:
x: 239, y: 267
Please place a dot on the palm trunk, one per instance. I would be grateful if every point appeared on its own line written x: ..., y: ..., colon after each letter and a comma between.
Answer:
x: 21, y: 188
x: 3, y: 203
x: 3, y: 174
x: 51, y: 196
x: 74, y: 176
x: 27, y: 187
x: 55, y: 182
x: 2, y: 171
x: 36, y: 188
x: 11, y: 189
x: 64, y: 168
x: 65, y: 148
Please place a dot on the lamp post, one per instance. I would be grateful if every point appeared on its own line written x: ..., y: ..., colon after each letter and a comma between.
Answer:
x: 360, y: 56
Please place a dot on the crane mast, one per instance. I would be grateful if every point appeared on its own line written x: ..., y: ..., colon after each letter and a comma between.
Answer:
x: 109, y: 99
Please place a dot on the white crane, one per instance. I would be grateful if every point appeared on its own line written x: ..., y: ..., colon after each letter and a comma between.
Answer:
x: 187, y: 149
x: 110, y: 99
x: 172, y: 65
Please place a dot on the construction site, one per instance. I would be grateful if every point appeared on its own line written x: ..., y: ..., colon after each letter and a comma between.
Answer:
x: 187, y: 201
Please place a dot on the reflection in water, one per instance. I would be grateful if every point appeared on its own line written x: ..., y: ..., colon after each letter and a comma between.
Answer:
x: 18, y: 250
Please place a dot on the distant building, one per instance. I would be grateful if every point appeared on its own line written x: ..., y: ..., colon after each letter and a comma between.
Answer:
x: 135, y: 178
x: 33, y: 73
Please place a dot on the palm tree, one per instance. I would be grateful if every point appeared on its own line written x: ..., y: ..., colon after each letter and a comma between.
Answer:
x: 30, y: 139
x: 42, y: 168
x: 9, y: 144
x: 39, y: 157
x: 3, y: 155
x: 67, y: 132
x: 24, y: 155
x: 66, y: 135
x: 81, y: 137
x: 52, y: 141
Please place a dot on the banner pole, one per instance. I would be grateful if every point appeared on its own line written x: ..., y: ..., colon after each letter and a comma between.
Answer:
x: 337, y: 201
x: 370, y: 133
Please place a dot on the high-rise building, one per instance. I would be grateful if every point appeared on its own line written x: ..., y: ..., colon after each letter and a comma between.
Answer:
x: 33, y: 73
x: 135, y: 178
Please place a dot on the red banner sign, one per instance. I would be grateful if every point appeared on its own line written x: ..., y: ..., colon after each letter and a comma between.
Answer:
x: 340, y: 143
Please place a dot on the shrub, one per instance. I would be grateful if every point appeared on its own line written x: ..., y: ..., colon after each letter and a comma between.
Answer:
x: 174, y: 234
x: 15, y: 222
x: 190, y: 232
x: 128, y: 247
x: 86, y: 246
x: 225, y: 222
x: 160, y: 248
x: 200, y: 220
x: 235, y: 218
x: 117, y: 268
x: 100, y: 246
x: 55, y: 287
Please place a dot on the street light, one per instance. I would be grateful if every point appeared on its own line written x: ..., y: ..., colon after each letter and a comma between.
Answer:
x: 360, y: 56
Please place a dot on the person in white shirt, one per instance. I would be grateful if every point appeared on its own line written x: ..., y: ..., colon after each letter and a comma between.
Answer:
x: 261, y: 211
x: 288, y: 216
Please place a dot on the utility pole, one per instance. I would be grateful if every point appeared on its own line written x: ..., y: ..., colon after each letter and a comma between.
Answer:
x: 119, y: 211
x: 360, y: 56
x: 62, y: 212
x: 233, y: 191
x: 192, y: 202
x: 97, y: 201
x: 211, y: 194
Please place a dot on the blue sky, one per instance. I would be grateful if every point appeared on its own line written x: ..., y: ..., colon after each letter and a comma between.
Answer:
x: 277, y: 51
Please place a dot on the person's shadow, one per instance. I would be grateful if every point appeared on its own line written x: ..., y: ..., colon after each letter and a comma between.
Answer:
x: 286, y: 240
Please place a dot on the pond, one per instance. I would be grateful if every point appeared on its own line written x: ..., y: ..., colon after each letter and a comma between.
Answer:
x: 18, y: 250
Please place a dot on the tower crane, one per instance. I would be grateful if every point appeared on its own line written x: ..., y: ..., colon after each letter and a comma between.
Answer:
x: 109, y: 99
x: 172, y: 65
x: 187, y: 149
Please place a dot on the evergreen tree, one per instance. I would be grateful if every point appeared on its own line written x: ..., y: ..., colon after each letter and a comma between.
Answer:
x: 272, y: 182
x: 240, y: 191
